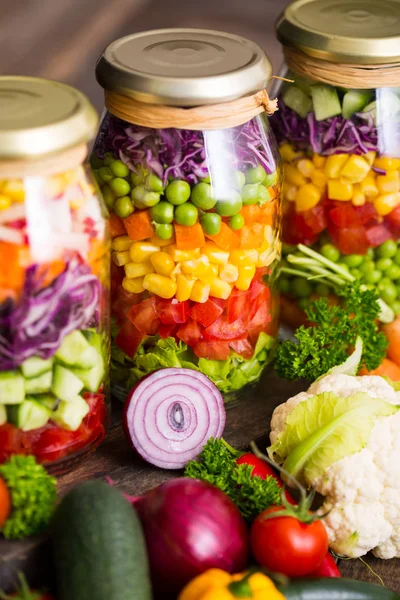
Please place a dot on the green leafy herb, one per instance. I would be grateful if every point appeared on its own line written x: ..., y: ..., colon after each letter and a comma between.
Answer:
x: 33, y: 496
x: 328, y: 342
x: 216, y: 465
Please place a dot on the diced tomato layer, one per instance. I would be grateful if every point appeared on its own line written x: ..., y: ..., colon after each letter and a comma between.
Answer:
x: 393, y: 221
x: 144, y: 316
x: 349, y: 240
x: 221, y: 329
x: 377, y: 234
x: 304, y: 227
x: 242, y: 347
x: 237, y: 304
x: 206, y: 313
x: 168, y: 330
x: 190, y: 333
x: 129, y: 338
x: 212, y: 350
x: 171, y: 312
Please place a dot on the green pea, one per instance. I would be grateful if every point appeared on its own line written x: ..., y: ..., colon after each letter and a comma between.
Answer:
x: 396, y: 307
x: 211, y: 223
x: 120, y: 187
x: 163, y: 212
x: 343, y: 266
x: 270, y: 179
x: 370, y: 253
x: 205, y: 179
x: 239, y: 179
x: 387, y: 250
x: 283, y: 285
x: 154, y: 183
x: 330, y: 252
x: 255, y: 174
x: 263, y: 195
x: 106, y: 174
x: 186, y: 214
x: 236, y: 222
x: 373, y: 276
x: 250, y: 193
x: 123, y: 207
x: 387, y: 291
x: 97, y: 177
x: 202, y: 196
x: 108, y: 159
x: 356, y: 273
x: 119, y: 168
x: 397, y: 257
x: 164, y: 231
x: 230, y: 205
x: 301, y: 288
x: 353, y: 260
x: 96, y: 161
x: 178, y: 192
x: 108, y: 197
x: 288, y: 249
x: 144, y: 199
x: 137, y: 179
x: 367, y: 267
x: 322, y: 289
x: 383, y: 264
x: 393, y: 272
x: 304, y: 303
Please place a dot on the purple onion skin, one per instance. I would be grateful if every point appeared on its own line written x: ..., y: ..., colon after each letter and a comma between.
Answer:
x: 190, y: 526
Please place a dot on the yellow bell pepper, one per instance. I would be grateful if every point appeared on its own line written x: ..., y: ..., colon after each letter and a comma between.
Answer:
x: 216, y: 584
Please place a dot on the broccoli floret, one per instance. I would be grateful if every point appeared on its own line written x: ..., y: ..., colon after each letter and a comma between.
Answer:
x: 33, y: 496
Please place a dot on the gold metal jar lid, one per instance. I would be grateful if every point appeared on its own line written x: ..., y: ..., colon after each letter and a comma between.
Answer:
x: 39, y: 117
x: 183, y: 67
x: 346, y: 31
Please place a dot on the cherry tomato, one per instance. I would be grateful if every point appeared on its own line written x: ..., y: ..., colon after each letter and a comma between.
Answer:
x: 286, y: 545
x: 263, y: 470
x: 328, y: 568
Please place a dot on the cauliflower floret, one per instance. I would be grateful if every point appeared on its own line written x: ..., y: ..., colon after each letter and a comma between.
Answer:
x: 361, y: 491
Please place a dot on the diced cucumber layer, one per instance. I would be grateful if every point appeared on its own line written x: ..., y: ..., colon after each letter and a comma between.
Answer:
x: 48, y: 400
x: 34, y: 366
x: 29, y: 415
x: 3, y: 414
x: 93, y: 377
x: 76, y: 351
x: 69, y: 414
x: 297, y: 100
x: 66, y: 385
x: 39, y: 384
x: 12, y: 387
x: 326, y: 101
x: 354, y: 101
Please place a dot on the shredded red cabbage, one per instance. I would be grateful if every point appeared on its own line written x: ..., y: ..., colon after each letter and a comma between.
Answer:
x: 43, y: 316
x: 180, y: 153
x: 332, y: 136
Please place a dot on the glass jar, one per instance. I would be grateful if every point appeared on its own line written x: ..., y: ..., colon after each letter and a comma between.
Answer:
x: 53, y: 276
x: 194, y: 208
x: 338, y: 128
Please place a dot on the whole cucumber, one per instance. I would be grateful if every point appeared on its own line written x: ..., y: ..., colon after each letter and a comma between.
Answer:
x: 99, y: 548
x: 336, y: 589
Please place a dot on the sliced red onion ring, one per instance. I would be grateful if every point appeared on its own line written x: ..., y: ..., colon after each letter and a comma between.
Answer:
x: 171, y: 414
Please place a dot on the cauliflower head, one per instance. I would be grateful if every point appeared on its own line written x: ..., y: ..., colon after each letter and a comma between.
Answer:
x: 362, y: 489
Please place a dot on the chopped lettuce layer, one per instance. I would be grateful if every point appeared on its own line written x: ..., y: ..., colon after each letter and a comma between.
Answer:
x: 156, y: 353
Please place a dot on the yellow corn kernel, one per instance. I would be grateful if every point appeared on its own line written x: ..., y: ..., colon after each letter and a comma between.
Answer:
x: 15, y: 189
x: 229, y: 273
x: 134, y: 286
x: 266, y: 258
x: 162, y: 263
x: 184, y: 287
x: 220, y: 289
x: 319, y: 179
x: 293, y: 176
x: 290, y: 191
x: 215, y: 254
x: 307, y: 197
x: 243, y: 257
x: 121, y: 258
x: 200, y: 292
x: 387, y: 163
x: 306, y: 167
x: 180, y: 255
x: 142, y: 251
x: 208, y: 275
x: 133, y: 270
x: 160, y: 285
x: 121, y: 243
x: 334, y: 165
x: 369, y: 187
x: 318, y: 161
x: 355, y: 169
x: 269, y: 235
x: 359, y: 198
x: 246, y: 274
x: 388, y: 183
x: 370, y: 157
x: 5, y: 201
x: 195, y: 267
x: 385, y: 203
x: 288, y: 152
x: 214, y: 269
x: 338, y: 190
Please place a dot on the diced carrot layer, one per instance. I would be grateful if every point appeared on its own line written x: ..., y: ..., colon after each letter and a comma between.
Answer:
x: 50, y: 271
x: 116, y: 226
x: 138, y: 226
x: 250, y: 213
x: 13, y: 264
x: 387, y: 368
x: 251, y: 236
x: 392, y: 332
x: 226, y: 238
x: 189, y: 238
x: 268, y: 213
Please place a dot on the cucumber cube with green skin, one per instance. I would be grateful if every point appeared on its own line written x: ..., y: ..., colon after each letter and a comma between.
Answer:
x: 29, y: 415
x: 326, y: 101
x: 34, y: 366
x: 91, y: 378
x: 48, y: 400
x: 3, y: 414
x: 354, y: 101
x: 12, y: 387
x: 75, y: 351
x: 297, y: 101
x: 69, y: 415
x: 66, y: 386
x: 40, y: 384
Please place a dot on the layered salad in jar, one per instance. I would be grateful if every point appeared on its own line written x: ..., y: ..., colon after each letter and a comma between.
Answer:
x: 341, y: 192
x: 53, y: 316
x: 195, y: 227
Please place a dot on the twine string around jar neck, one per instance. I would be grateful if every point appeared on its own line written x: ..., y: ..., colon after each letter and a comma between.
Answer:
x: 345, y: 75
x: 206, y: 117
x: 44, y: 166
